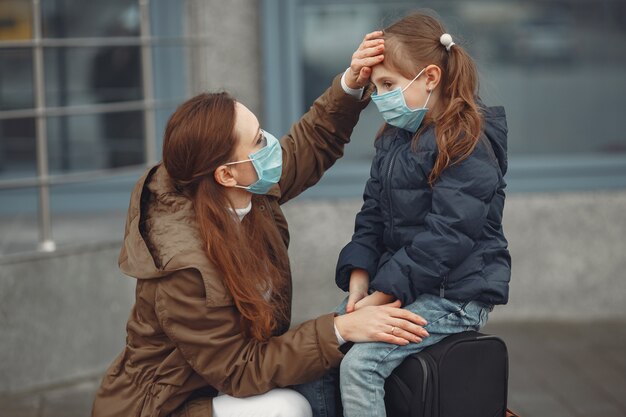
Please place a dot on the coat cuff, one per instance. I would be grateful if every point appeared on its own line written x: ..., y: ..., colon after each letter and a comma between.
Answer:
x: 354, y: 92
x: 343, y: 102
x: 352, y: 256
x: 394, y: 279
x: 328, y: 344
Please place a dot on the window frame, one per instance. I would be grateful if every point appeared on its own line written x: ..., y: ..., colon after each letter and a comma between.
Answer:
x: 41, y: 112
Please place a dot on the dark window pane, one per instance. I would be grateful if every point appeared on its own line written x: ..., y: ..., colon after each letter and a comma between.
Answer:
x: 80, y: 143
x: 554, y: 66
x: 76, y: 76
x: 16, y: 18
x: 80, y: 18
x: 18, y: 155
x: 16, y: 79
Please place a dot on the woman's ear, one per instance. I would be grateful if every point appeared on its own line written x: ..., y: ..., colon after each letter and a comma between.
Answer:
x: 433, y: 76
x: 224, y: 176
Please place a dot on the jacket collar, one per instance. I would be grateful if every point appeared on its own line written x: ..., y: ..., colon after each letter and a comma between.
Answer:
x: 162, y: 237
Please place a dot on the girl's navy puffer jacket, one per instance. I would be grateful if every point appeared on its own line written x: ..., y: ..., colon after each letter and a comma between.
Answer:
x: 446, y: 239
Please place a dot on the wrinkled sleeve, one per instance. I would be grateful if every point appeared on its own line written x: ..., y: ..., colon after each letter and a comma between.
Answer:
x: 317, y: 140
x: 210, y: 340
x: 365, y: 247
x: 460, y: 203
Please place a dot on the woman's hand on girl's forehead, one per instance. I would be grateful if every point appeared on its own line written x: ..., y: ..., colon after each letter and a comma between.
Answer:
x: 369, y: 53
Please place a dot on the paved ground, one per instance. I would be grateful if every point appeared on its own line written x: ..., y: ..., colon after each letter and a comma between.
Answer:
x: 556, y: 370
x: 566, y: 370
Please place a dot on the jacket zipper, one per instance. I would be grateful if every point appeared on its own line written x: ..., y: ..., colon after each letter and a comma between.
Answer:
x: 389, y: 168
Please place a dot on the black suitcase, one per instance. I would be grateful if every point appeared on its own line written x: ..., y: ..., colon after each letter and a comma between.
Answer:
x: 464, y: 375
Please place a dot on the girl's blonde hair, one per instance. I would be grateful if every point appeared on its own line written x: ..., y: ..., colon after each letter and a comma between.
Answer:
x: 412, y: 43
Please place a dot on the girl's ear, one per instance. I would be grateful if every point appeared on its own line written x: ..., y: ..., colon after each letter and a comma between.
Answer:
x: 433, y: 76
x: 224, y: 176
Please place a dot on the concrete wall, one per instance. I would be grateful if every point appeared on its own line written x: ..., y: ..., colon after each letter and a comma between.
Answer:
x: 568, y: 254
x: 63, y: 315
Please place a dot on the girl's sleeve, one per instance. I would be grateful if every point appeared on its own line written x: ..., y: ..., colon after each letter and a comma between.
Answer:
x: 365, y: 248
x: 209, y: 337
x: 460, y: 204
x: 317, y: 140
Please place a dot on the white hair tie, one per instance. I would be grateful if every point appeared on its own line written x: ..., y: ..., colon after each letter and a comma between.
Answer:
x: 446, y: 40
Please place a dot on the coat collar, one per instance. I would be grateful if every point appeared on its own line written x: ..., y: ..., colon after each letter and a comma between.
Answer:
x: 162, y: 237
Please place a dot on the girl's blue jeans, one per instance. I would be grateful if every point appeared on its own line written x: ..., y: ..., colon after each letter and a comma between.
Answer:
x: 366, y: 365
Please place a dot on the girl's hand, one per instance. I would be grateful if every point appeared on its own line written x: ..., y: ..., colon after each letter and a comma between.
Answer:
x: 370, y: 53
x: 359, y: 283
x: 388, y: 323
x: 376, y: 298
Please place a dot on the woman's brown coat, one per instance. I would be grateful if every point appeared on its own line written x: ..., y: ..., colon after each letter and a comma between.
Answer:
x: 183, y: 337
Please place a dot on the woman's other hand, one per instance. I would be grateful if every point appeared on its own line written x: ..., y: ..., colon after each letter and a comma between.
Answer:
x: 387, y: 323
x: 369, y: 53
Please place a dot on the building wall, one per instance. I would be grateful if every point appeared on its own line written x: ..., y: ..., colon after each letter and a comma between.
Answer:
x: 568, y: 255
x: 64, y: 314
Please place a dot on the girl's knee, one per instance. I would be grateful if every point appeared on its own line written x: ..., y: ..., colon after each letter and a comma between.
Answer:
x: 352, y: 365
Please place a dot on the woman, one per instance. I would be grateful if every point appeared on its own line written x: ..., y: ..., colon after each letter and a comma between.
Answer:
x: 207, y: 242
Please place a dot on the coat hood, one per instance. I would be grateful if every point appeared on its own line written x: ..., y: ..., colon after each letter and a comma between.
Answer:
x: 161, y: 235
x: 496, y: 130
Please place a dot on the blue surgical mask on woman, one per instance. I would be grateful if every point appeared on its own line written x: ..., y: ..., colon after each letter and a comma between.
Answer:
x: 394, y: 110
x: 268, y: 164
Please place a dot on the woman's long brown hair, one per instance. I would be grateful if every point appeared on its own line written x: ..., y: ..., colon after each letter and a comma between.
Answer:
x: 412, y: 43
x: 251, y: 255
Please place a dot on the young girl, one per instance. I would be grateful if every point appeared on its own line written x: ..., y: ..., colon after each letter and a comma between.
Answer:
x: 430, y: 229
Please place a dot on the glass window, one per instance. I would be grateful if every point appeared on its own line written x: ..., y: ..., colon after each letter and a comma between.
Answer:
x: 544, y: 61
x: 98, y: 141
x: 16, y: 20
x: 561, y: 83
x: 79, y: 73
x: 18, y: 158
x: 16, y: 79
x: 553, y: 65
x: 80, y: 18
x: 76, y: 76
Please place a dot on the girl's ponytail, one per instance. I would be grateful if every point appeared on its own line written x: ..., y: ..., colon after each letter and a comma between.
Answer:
x: 459, y: 125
